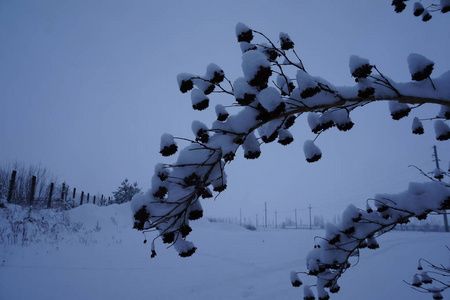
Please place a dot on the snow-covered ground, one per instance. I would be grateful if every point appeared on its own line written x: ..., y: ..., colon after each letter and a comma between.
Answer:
x: 105, y: 259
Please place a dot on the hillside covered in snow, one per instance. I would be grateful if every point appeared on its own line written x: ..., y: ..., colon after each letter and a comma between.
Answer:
x: 92, y: 252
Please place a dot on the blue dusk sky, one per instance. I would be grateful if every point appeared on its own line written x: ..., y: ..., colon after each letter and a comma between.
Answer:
x: 88, y: 87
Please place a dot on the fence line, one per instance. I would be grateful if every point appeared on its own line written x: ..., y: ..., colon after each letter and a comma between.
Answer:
x: 63, y: 198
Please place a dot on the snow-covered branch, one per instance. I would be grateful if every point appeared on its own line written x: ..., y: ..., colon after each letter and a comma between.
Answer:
x: 273, y: 92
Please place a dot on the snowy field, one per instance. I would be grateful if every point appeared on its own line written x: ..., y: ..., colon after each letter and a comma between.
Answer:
x: 106, y: 259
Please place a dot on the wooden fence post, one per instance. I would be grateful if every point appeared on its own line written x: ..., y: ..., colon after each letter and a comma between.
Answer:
x: 101, y: 200
x: 49, y: 203
x: 63, y: 190
x: 74, y: 193
x: 33, y: 188
x: 87, y: 199
x: 82, y: 196
x: 11, y: 186
x: 94, y: 199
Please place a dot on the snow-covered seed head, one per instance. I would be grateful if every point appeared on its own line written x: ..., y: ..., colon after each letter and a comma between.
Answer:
x: 417, y: 127
x: 285, y: 137
x: 362, y: 244
x: 185, y: 82
x: 244, y: 93
x: 314, y: 122
x: 307, y: 86
x: 289, y: 122
x: 203, y: 84
x: 184, y: 248
x: 437, y: 295
x: 256, y: 69
x: 229, y: 156
x: 438, y: 174
x: 214, y: 73
x: 419, y: 66
x: 326, y: 121
x: 419, y: 267
x: 219, y: 187
x: 359, y: 67
x: 161, y: 172
x: 366, y: 92
x: 252, y: 154
x: 323, y: 295
x: 195, y: 214
x: 399, y: 5
x: 201, y: 131
x: 168, y: 237
x: 271, y: 53
x: 251, y: 147
x: 191, y: 180
x: 295, y: 280
x: 335, y: 288
x: 313, y: 267
x: 418, y: 9
x: 426, y: 16
x: 243, y: 33
x: 398, y: 110
x: 442, y: 130
x: 308, y: 293
x: 425, y: 278
x: 285, y: 85
x: 445, y: 6
x: 342, y: 120
x: 312, y: 152
x: 372, y: 243
x: 349, y: 231
x: 285, y: 41
x: 270, y: 99
x: 153, y: 249
x: 221, y: 113
x: 185, y: 230
x: 161, y: 192
x: 206, y: 193
x: 269, y: 132
x: 416, y: 281
x: 444, y: 112
x: 140, y: 218
x: 199, y: 100
x: 168, y: 145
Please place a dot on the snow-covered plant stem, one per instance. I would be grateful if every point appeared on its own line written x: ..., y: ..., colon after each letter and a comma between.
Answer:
x: 435, y: 280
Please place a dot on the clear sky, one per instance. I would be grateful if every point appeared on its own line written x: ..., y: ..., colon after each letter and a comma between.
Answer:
x: 88, y: 87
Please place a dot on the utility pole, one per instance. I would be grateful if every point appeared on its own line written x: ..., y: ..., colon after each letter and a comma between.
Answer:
x: 437, y: 167
x: 310, y: 226
x: 296, y: 219
x: 240, y: 216
x: 265, y: 214
x: 276, y: 219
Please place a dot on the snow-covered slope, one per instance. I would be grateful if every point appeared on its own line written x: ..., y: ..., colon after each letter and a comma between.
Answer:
x: 106, y: 259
